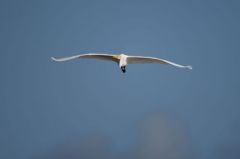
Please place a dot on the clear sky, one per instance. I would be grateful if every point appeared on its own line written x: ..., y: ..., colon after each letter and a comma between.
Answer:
x: 89, y: 109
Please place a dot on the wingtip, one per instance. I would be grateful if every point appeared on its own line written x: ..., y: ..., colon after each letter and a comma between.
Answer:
x: 53, y: 59
x: 189, y: 67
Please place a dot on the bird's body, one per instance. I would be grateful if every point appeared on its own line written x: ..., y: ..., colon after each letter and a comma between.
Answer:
x: 122, y: 60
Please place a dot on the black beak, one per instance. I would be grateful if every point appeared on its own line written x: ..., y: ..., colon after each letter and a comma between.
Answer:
x: 123, y: 68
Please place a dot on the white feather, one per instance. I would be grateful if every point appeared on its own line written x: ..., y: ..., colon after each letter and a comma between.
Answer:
x: 122, y: 59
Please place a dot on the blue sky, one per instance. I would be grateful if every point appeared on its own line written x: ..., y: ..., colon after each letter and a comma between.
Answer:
x: 46, y: 106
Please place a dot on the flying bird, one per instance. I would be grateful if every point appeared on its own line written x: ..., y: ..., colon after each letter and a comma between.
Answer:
x: 122, y: 60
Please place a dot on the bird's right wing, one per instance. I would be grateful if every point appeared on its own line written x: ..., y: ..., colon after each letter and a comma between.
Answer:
x: 142, y: 59
x: 89, y: 55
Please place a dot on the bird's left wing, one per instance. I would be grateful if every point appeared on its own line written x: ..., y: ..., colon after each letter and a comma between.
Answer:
x: 142, y: 59
x: 89, y: 55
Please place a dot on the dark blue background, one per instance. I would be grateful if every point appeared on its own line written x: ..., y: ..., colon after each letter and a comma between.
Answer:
x: 89, y: 109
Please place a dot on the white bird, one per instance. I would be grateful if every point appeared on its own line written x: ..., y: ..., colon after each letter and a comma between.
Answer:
x: 122, y: 60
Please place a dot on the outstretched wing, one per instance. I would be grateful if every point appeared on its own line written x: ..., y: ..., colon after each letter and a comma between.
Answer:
x: 90, y: 55
x: 142, y: 59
